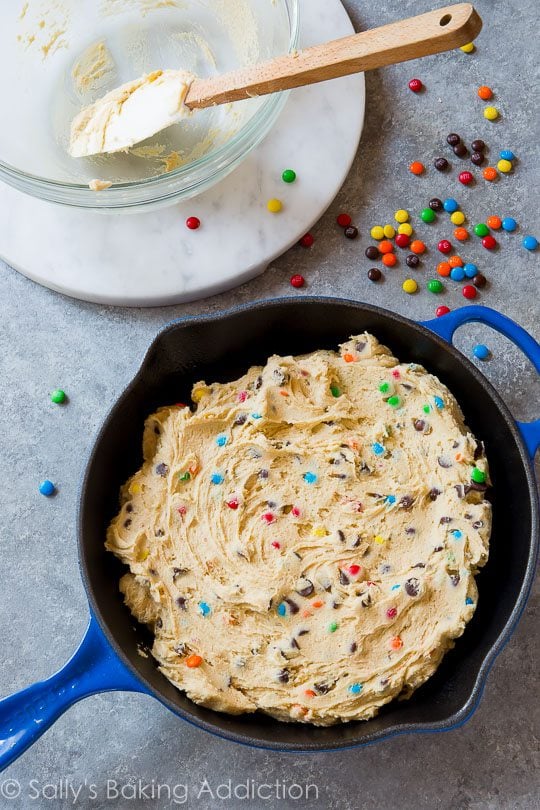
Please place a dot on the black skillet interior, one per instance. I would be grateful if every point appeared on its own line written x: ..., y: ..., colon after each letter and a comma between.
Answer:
x: 221, y: 348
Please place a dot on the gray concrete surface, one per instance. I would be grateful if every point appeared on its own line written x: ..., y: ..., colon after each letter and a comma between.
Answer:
x: 48, y: 341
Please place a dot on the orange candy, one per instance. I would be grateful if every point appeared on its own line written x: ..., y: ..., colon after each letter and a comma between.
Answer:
x: 494, y: 223
x: 389, y: 259
x: 490, y: 173
x: 416, y: 167
x: 349, y: 358
x: 317, y: 603
x: 417, y: 246
x: 193, y: 661
x: 461, y: 234
x: 396, y: 643
x: 485, y: 92
x: 443, y: 269
x: 455, y: 261
x: 310, y: 693
x: 385, y: 246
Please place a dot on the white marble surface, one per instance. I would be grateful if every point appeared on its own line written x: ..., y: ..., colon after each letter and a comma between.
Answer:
x: 153, y: 259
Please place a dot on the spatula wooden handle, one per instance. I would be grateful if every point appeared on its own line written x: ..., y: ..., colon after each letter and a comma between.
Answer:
x: 436, y: 31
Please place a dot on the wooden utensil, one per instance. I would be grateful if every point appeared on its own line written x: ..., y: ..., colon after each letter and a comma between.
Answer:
x: 436, y: 31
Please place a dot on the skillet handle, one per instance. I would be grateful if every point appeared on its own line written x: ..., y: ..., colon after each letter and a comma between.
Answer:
x: 26, y: 715
x: 446, y: 325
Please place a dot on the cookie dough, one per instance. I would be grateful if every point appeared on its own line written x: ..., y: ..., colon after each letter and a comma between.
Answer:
x: 304, y: 542
x: 131, y: 113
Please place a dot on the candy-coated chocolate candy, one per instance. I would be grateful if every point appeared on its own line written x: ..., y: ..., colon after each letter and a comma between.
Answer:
x: 485, y: 92
x: 444, y: 246
x: 507, y: 154
x: 482, y: 353
x: 417, y: 246
x: 441, y: 164
x: 435, y: 286
x: 343, y: 220
x: 427, y: 215
x: 307, y: 240
x: 372, y: 252
x: 461, y: 234
x: 386, y: 247
x: 389, y: 231
x: 468, y: 48
x: 479, y: 281
x: 469, y: 291
x: 351, y: 232
x: 530, y: 242
x: 374, y: 274
x: 457, y: 274
x: 443, y: 269
x: 193, y: 661
x: 47, y: 488
x: 274, y: 205
x: 489, y: 242
x: 416, y: 85
x: 504, y: 166
x: 402, y: 240
x: 412, y: 260
x: 491, y: 113
x: 450, y: 205
x: 435, y: 204
x: 389, y: 259
x: 58, y: 396
x: 477, y: 158
x: 466, y: 178
x: 377, y: 233
x: 481, y: 229
x: 440, y: 311
x: 490, y: 174
x: 401, y: 216
x: 410, y: 286
x: 494, y: 223
x: 297, y: 280
x: 416, y: 167
x: 470, y: 269
x: 478, y: 475
x: 457, y: 218
x: 453, y: 139
x: 478, y: 145
x: 509, y: 224
x: 288, y: 176
x: 193, y: 223
x: 455, y: 261
x: 405, y: 228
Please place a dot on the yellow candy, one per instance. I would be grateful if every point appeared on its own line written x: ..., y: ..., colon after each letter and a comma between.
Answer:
x: 491, y: 113
x: 468, y: 48
x: 401, y: 216
x: 377, y: 232
x: 199, y: 393
x: 410, y: 286
x: 389, y: 231
x: 274, y: 206
x: 457, y: 218
x: 406, y: 229
x: 320, y: 531
x: 378, y: 539
x: 143, y: 555
x: 504, y: 166
x: 135, y: 489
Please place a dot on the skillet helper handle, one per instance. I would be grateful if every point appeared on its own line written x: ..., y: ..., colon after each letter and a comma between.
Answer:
x: 26, y: 715
x: 446, y: 326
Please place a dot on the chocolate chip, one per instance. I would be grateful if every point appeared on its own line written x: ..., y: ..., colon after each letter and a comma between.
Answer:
x: 160, y: 533
x: 356, y: 542
x: 181, y: 649
x: 127, y: 523
x: 336, y: 605
x: 343, y: 578
x: 407, y: 387
x: 294, y: 644
x: 438, y: 548
x: 372, y: 253
x: 263, y: 474
x: 410, y: 530
x: 453, y: 139
x: 406, y: 502
x: 159, y: 623
x: 412, y: 260
x: 479, y: 450
x: 419, y: 565
x: 341, y: 535
x: 241, y: 419
x: 292, y: 605
x: 306, y: 588
x: 353, y: 647
x: 455, y: 579
x: 129, y: 507
x: 412, y: 586
x: 283, y: 676
x: 258, y: 383
x: 434, y: 493
x: 419, y: 424
x: 181, y: 601
x: 179, y: 572
x: 271, y: 504
x: 477, y: 487
x: 441, y: 164
x: 478, y: 524
x: 444, y: 462
x: 445, y: 519
x: 162, y: 469
x: 323, y: 688
x: 366, y: 601
x: 303, y: 632
x: 360, y: 345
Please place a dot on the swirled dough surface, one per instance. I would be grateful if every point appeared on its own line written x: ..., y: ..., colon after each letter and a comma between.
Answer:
x: 307, y: 536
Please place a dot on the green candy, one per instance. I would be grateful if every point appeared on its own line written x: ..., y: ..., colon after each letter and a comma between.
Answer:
x: 185, y: 477
x: 384, y: 387
x: 478, y: 476
x: 333, y: 627
x: 427, y: 408
x: 481, y: 229
x: 335, y: 391
x: 427, y: 215
x: 58, y: 396
x: 395, y: 401
x: 435, y: 286
x: 288, y: 176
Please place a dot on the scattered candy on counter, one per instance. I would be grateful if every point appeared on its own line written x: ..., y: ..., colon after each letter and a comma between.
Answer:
x: 466, y: 178
x: 375, y: 274
x: 504, y: 166
x: 481, y: 229
x: 509, y: 224
x: 440, y: 311
x: 410, y: 286
x: 58, y: 397
x: 485, y: 92
x: 436, y: 205
x: 351, y: 232
x: 494, y: 223
x: 450, y: 205
x: 469, y: 291
x: 491, y: 113
x: 530, y: 242
x: 481, y: 352
x: 441, y: 164
x: 274, y: 205
x: 401, y: 216
x: 307, y: 240
x: 444, y: 246
x: 470, y: 47
x: 193, y: 223
x: 428, y: 215
x: 435, y: 286
x: 490, y: 174
x: 298, y: 281
x: 288, y: 176
x: 489, y: 242
x: 417, y: 168
x: 416, y: 85
x: 47, y: 488
x: 343, y: 220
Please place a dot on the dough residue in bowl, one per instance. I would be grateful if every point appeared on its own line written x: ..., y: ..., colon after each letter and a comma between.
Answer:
x: 305, y: 541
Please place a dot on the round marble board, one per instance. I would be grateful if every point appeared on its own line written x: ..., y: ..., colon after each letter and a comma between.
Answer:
x: 152, y: 259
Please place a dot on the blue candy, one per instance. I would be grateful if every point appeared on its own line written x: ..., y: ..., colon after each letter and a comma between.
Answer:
x: 481, y: 352
x: 47, y: 488
x: 507, y: 154
x: 457, y: 534
x: 439, y: 402
x: 217, y: 478
x: 377, y: 448
x: 509, y: 224
x: 204, y: 608
x: 390, y: 499
x: 356, y: 688
x: 450, y: 205
x: 221, y: 440
x: 256, y: 416
x: 282, y: 609
x: 470, y: 270
x: 457, y: 273
x: 530, y: 242
x: 469, y: 601
x: 310, y: 478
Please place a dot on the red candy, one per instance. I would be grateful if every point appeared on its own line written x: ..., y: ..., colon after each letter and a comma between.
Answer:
x: 233, y: 503
x: 295, y: 511
x: 344, y: 220
x: 275, y: 544
x: 466, y: 178
x: 307, y: 240
x: 193, y: 223
x: 298, y: 280
x: 469, y: 291
x: 444, y: 246
x: 268, y: 517
x: 354, y: 569
x: 391, y: 612
x: 442, y: 311
x: 489, y: 242
x: 402, y: 240
x: 416, y: 85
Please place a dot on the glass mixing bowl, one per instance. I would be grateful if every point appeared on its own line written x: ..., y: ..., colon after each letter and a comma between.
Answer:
x: 57, y: 56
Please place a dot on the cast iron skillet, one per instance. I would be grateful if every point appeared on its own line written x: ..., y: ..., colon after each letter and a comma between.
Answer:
x: 221, y: 347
